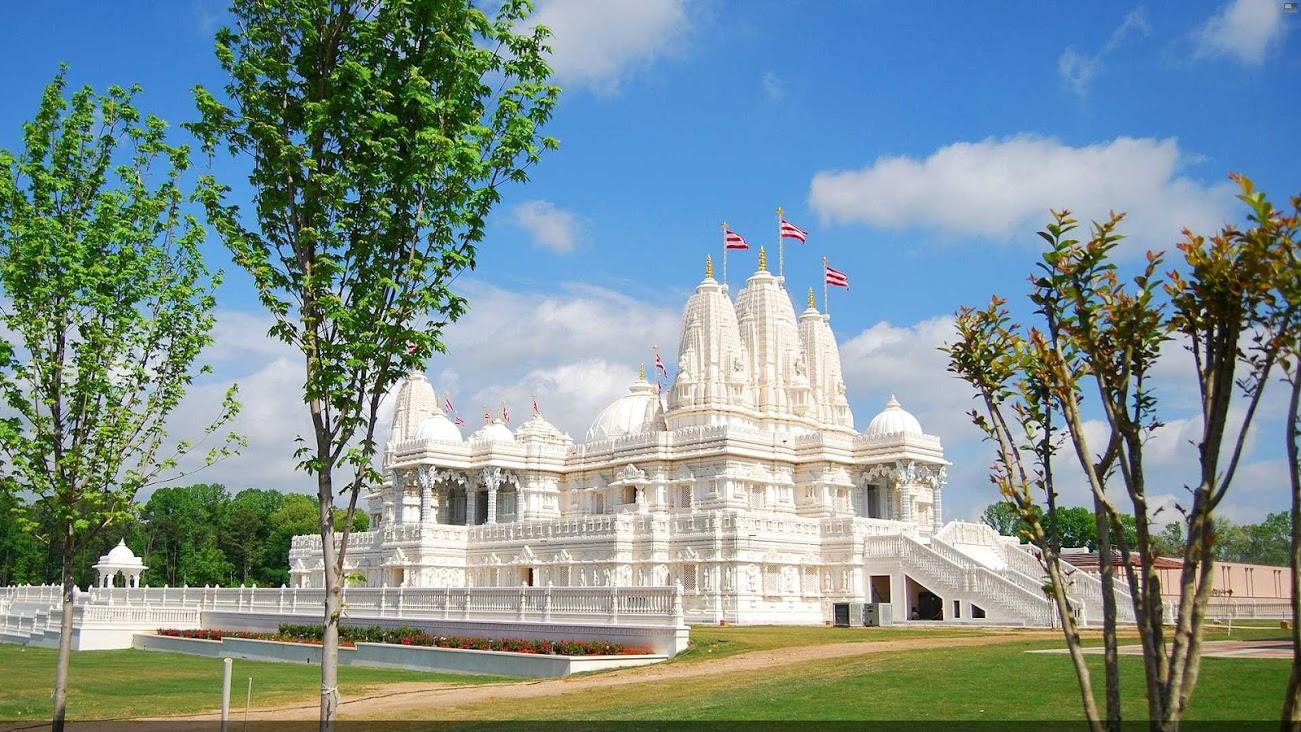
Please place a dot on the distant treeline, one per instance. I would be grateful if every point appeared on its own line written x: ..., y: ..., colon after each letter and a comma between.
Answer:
x: 1264, y: 543
x: 188, y: 535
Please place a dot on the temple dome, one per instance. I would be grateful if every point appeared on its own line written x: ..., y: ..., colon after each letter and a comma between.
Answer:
x: 440, y: 428
x: 538, y: 428
x: 493, y: 432
x: 892, y: 421
x: 637, y: 411
x: 120, y: 556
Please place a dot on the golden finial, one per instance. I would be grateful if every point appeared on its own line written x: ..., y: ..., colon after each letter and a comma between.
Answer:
x: 779, y: 212
x: 811, y: 298
x: 709, y: 267
x: 641, y: 373
x: 763, y: 261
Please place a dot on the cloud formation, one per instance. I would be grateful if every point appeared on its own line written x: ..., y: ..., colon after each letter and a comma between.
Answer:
x: 1078, y: 69
x: 1246, y: 30
x: 595, y: 43
x: 1004, y: 188
x: 551, y: 227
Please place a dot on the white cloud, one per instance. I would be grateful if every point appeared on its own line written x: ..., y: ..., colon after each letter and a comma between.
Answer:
x: 1078, y: 69
x: 576, y: 350
x: 773, y: 88
x: 596, y: 42
x: 1245, y: 29
x: 1004, y: 188
x: 551, y: 227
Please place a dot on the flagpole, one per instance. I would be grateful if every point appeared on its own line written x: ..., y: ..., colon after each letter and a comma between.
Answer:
x: 781, y: 260
x: 724, y: 253
x: 826, y: 304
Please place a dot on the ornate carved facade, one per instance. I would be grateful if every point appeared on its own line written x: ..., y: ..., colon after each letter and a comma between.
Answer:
x: 745, y: 482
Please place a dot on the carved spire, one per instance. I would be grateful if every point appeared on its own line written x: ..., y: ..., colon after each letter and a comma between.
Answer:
x: 709, y: 267
x: 763, y: 261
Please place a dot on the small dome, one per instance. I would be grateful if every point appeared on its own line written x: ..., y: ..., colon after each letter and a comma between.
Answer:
x: 538, y: 428
x: 492, y: 432
x: 894, y: 420
x: 120, y: 555
x: 637, y: 411
x: 439, y: 428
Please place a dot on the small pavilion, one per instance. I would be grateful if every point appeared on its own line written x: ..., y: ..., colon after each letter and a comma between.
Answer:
x: 119, y: 559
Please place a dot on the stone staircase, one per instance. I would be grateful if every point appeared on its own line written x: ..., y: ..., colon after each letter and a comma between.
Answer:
x: 954, y: 575
x: 980, y: 545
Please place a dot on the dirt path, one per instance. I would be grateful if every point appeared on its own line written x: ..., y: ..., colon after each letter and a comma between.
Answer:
x: 411, y: 700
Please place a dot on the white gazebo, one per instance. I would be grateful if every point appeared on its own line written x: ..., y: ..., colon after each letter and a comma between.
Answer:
x: 119, y: 559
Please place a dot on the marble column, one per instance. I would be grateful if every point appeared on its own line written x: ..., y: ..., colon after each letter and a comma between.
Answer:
x: 469, y: 503
x: 937, y: 512
x: 425, y: 478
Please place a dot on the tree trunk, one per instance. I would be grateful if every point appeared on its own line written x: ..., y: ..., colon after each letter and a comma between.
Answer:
x: 1292, y: 702
x: 333, y: 603
x: 1107, y: 576
x: 65, y: 638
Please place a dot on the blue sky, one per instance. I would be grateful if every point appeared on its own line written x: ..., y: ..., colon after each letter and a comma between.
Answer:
x: 920, y: 146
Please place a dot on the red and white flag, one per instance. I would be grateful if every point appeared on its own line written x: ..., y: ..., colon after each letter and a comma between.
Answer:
x: 836, y: 278
x: 791, y: 231
x: 659, y: 366
x: 451, y: 412
x: 536, y: 412
x: 487, y: 416
x: 733, y: 240
x: 411, y: 347
x: 505, y: 414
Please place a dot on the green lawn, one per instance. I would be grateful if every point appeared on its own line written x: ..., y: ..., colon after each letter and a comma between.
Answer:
x: 130, y: 683
x: 997, y: 682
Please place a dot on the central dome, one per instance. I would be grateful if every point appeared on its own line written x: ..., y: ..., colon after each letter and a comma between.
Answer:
x: 637, y: 411
x: 439, y: 428
x: 492, y: 432
x: 894, y: 420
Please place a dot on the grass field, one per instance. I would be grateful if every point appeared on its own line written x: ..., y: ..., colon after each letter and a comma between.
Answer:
x: 993, y: 682
x: 130, y: 683
x: 997, y: 682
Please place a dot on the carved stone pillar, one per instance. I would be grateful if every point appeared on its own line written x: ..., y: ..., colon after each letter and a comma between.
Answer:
x: 425, y: 479
x: 469, y: 503
x: 905, y: 476
x: 937, y: 513
x: 492, y: 479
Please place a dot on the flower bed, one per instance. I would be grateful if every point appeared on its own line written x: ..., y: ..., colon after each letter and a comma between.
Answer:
x: 350, y: 635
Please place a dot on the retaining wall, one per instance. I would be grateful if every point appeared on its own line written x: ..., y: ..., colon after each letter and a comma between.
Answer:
x: 386, y: 655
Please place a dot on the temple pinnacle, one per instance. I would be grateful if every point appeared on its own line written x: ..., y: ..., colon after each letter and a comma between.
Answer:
x: 811, y: 298
x: 709, y: 267
x: 641, y: 373
x: 763, y: 261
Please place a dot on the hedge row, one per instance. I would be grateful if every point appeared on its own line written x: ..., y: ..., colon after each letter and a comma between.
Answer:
x: 406, y: 635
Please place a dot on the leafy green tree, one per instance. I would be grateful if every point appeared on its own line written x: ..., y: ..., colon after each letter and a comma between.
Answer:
x: 1096, y: 338
x: 107, y: 304
x: 181, y: 525
x: 245, y: 531
x: 22, y: 558
x: 1002, y: 517
x: 379, y: 135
